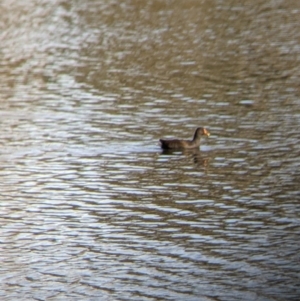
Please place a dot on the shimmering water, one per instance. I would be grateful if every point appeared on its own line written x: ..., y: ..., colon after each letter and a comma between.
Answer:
x: 91, y: 208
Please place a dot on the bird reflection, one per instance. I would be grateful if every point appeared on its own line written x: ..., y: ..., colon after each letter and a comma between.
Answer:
x: 194, y: 154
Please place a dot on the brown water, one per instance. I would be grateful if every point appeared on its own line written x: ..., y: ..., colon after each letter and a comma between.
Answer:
x: 91, y: 209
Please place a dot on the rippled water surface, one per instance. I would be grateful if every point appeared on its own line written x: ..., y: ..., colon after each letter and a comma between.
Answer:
x: 91, y: 208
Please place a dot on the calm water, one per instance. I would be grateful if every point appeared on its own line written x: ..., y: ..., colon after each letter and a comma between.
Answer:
x: 91, y: 209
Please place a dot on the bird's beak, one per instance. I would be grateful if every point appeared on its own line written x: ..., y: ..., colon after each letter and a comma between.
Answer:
x: 206, y: 133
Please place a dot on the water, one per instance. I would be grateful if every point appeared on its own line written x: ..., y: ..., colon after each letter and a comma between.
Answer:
x: 91, y: 208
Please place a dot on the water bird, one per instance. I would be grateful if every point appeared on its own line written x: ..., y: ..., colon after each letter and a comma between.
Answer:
x: 185, y: 144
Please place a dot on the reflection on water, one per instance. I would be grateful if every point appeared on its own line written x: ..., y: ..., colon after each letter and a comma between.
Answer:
x: 92, y: 208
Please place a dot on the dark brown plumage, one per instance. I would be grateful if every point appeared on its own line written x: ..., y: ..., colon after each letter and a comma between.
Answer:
x: 184, y: 144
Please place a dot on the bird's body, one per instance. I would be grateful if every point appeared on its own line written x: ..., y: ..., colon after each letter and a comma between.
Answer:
x: 185, y: 144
